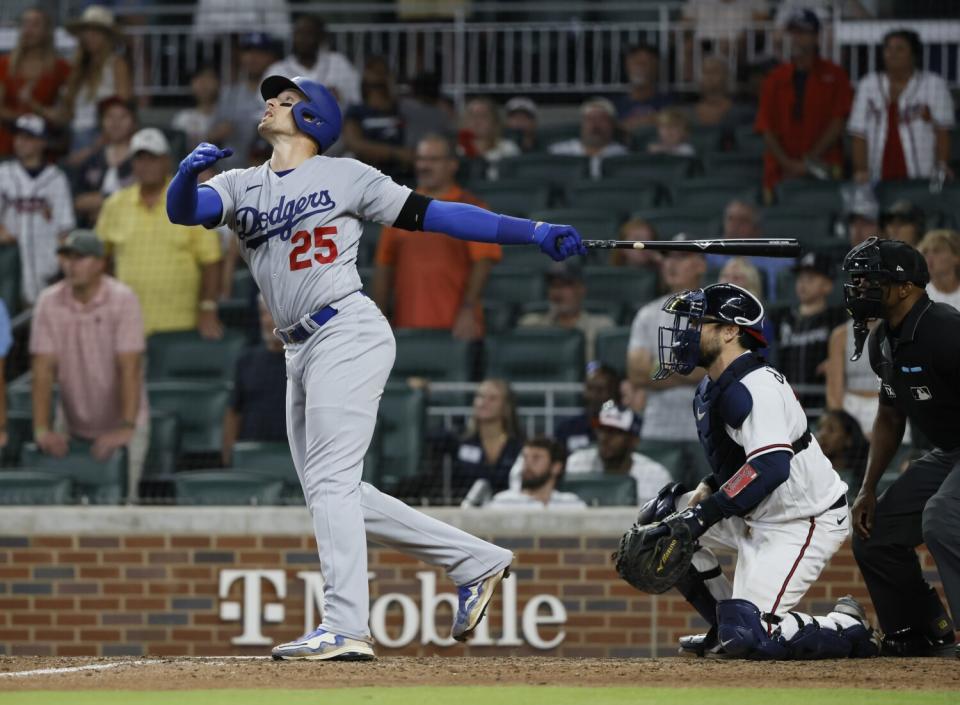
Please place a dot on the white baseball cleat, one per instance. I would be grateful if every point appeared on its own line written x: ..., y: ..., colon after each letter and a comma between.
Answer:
x: 322, y: 645
x: 473, y: 601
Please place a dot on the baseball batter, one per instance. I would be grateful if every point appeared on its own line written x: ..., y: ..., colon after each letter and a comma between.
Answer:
x: 773, y: 496
x: 298, y: 219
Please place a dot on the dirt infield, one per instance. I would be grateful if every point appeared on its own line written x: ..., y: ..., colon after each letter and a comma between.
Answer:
x: 225, y: 672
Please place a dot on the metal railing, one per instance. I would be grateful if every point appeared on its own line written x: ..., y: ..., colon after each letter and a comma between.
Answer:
x: 503, y: 48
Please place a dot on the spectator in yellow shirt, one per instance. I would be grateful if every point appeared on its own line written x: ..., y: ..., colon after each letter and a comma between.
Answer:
x: 173, y: 269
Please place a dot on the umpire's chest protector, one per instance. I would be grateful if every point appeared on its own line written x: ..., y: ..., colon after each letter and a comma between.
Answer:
x: 725, y: 402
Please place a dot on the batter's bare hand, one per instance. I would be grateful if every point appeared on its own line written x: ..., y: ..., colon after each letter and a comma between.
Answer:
x: 203, y: 155
x: 701, y: 493
x: 558, y: 241
x: 864, y: 508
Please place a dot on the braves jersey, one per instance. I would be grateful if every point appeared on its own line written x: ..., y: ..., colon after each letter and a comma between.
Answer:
x: 299, y: 231
x: 774, y: 422
x: 924, y: 106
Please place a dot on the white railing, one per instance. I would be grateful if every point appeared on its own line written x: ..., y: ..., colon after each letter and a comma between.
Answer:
x: 495, y: 47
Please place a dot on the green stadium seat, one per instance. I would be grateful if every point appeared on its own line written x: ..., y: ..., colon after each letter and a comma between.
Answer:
x: 218, y: 487
x: 161, y: 460
x: 818, y: 196
x: 749, y: 141
x: 544, y: 168
x: 536, y: 355
x: 516, y: 197
x: 511, y: 286
x: 648, y: 167
x: 200, y: 407
x: 434, y: 354
x: 20, y: 395
x: 497, y: 317
x: 707, y: 139
x: 402, y: 420
x: 734, y: 165
x: 591, y: 223
x: 244, y: 288
x: 271, y: 461
x: 641, y: 136
x: 668, y: 455
x: 611, y: 347
x: 801, y: 224
x: 550, y: 134
x: 185, y: 355
x: 627, y: 285
x: 602, y: 490
x: 613, y: 309
x: 528, y: 257
x: 613, y: 196
x: 942, y: 209
x: 239, y: 315
x: 712, y: 193
x: 26, y: 487
x: 93, y: 482
x: 19, y: 432
x: 10, y: 277
x: 694, y: 222
x: 684, y: 459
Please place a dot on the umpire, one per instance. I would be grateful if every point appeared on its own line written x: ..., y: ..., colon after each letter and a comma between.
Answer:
x: 915, y: 351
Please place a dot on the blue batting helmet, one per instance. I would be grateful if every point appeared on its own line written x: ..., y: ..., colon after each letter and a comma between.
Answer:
x: 318, y: 116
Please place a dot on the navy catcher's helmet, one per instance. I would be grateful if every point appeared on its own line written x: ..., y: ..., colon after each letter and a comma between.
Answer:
x: 318, y: 116
x: 717, y: 303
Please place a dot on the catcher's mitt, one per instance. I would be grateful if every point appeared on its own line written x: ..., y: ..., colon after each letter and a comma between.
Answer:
x: 654, y: 557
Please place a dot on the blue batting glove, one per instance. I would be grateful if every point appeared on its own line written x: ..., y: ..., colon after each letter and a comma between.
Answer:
x: 558, y: 241
x: 201, y: 157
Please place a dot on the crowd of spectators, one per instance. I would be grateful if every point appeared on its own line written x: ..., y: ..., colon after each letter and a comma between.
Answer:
x: 83, y: 184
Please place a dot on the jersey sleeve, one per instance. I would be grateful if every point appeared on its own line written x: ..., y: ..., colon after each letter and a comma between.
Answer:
x: 766, y: 428
x: 942, y: 108
x: 857, y: 124
x: 379, y: 198
x: 225, y: 184
x: 63, y: 214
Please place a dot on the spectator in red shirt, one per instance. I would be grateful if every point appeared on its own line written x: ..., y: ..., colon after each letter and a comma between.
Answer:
x: 31, y: 76
x: 803, y: 108
x: 435, y: 281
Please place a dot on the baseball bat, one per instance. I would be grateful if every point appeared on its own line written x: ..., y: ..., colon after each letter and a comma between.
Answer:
x: 757, y: 247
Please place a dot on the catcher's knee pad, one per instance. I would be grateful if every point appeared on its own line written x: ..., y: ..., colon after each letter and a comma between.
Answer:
x: 663, y: 505
x: 743, y: 635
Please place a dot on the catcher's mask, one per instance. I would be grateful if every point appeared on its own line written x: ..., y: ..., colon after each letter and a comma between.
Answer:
x: 726, y: 304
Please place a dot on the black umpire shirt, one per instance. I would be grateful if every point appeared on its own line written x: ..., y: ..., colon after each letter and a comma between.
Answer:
x: 919, y: 368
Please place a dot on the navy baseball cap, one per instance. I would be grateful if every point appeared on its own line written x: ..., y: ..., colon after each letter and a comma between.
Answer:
x: 257, y: 40
x: 619, y: 418
x: 803, y: 20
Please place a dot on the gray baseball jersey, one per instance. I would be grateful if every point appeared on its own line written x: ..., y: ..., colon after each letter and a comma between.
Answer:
x: 299, y: 232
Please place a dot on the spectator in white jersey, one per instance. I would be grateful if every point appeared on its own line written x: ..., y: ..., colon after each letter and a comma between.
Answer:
x: 6, y: 341
x: 667, y: 413
x: 901, y: 118
x: 36, y: 211
x: 941, y: 248
x: 618, y: 432
x: 543, y: 467
x: 312, y: 58
x: 597, y: 140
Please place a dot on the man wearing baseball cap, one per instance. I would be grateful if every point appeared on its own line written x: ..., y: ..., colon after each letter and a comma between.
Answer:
x: 87, y: 337
x: 803, y: 331
x: 173, y: 269
x: 803, y: 108
x: 521, y: 122
x: 618, y: 432
x: 914, y: 351
x: 36, y: 209
x: 597, y: 140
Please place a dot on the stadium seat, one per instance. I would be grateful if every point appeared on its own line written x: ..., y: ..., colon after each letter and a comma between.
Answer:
x: 244, y: 288
x: 536, y: 355
x: 218, y: 487
x: 497, y: 317
x: 818, y: 196
x: 917, y: 191
x: 551, y: 134
x: 627, y: 285
x: 402, y: 421
x: 19, y: 432
x: 185, y: 355
x: 707, y: 139
x: 591, y: 223
x: 20, y: 394
x: 648, y: 167
x: 694, y: 222
x: 641, y: 136
x: 611, y: 347
x: 613, y: 196
x: 800, y: 223
x: 544, y: 168
x: 605, y: 307
x: 516, y: 197
x: 684, y: 459
x: 25, y: 487
x: 734, y: 165
x: 748, y: 141
x: 10, y: 277
x: 271, y: 461
x: 93, y: 481
x: 513, y: 287
x: 711, y: 193
x: 528, y: 257
x: 434, y: 354
x: 602, y: 490
x: 669, y: 456
x: 161, y: 460
x: 200, y: 407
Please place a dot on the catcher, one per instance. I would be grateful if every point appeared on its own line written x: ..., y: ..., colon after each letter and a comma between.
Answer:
x: 773, y: 497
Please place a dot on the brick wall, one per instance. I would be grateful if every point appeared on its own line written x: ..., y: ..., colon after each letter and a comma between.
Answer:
x: 104, y: 595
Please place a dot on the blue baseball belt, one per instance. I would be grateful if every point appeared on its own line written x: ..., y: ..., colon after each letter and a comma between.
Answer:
x: 303, y: 329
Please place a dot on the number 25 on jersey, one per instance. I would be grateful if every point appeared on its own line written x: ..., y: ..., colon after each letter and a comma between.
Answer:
x: 324, y: 249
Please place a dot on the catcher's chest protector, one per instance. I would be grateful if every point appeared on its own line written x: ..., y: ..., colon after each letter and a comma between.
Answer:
x: 726, y: 402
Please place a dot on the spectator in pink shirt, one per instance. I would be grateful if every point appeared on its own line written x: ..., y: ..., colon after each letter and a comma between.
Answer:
x: 87, y: 336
